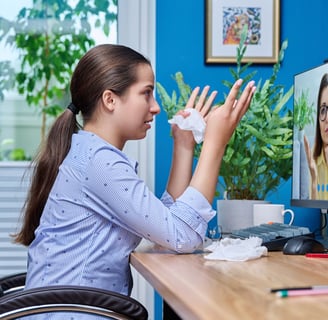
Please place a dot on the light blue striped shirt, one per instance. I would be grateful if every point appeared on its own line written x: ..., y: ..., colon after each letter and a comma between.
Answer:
x: 96, y: 214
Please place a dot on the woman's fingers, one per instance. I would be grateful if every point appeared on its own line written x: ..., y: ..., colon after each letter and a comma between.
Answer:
x: 245, y: 97
x: 247, y: 94
x: 241, y: 105
x: 307, y: 149
x: 208, y: 105
x: 233, y: 94
x: 200, y: 103
x: 203, y: 104
x: 192, y: 98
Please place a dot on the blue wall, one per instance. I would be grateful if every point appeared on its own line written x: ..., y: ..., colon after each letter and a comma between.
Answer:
x: 180, y: 46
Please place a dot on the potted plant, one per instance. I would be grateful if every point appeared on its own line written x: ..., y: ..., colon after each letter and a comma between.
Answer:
x: 258, y: 157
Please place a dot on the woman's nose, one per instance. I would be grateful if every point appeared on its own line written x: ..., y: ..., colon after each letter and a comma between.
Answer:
x: 155, y: 108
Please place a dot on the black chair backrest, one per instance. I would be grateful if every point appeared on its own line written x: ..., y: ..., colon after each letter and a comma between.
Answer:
x: 19, y: 303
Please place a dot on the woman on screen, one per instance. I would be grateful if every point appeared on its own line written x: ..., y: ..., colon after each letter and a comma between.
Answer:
x: 318, y: 159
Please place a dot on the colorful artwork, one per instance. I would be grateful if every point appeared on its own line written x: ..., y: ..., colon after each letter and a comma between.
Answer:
x: 235, y: 18
x: 225, y: 21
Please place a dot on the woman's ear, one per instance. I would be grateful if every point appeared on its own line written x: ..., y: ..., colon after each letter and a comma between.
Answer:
x: 108, y: 100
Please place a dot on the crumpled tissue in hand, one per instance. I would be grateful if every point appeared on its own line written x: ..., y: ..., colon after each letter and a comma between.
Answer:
x: 236, y: 249
x: 193, y: 122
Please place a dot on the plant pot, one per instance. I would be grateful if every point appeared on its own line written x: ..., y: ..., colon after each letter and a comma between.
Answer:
x: 235, y: 214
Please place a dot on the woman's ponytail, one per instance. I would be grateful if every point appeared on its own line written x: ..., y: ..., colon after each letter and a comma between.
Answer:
x: 45, y: 168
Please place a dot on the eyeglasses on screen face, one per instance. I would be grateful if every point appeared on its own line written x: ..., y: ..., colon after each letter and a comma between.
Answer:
x: 323, y: 112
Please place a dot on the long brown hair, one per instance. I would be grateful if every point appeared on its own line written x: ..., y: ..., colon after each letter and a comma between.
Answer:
x: 318, y: 139
x: 103, y: 67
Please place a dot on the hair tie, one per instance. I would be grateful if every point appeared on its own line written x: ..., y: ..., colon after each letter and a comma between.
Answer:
x: 73, y: 108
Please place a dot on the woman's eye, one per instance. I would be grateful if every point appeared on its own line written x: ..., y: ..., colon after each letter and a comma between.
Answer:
x: 148, y: 93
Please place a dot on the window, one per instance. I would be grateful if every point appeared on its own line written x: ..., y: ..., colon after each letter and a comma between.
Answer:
x: 40, y: 91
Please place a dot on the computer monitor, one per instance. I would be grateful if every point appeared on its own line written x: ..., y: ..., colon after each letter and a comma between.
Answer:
x: 307, y: 123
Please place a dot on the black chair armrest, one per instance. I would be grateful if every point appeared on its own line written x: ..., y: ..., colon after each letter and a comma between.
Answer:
x: 70, y: 298
x: 12, y: 283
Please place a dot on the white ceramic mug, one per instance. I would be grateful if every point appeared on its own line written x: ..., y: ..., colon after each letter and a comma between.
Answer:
x: 268, y: 213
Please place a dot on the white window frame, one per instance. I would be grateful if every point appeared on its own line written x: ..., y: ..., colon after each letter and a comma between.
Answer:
x: 136, y: 29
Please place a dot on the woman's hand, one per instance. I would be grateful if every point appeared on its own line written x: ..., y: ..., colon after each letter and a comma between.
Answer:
x: 203, y: 106
x: 312, y: 168
x: 221, y: 123
x: 184, y: 143
x: 310, y: 160
x: 223, y: 120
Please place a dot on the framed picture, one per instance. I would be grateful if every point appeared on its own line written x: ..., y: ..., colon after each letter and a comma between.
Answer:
x: 224, y: 22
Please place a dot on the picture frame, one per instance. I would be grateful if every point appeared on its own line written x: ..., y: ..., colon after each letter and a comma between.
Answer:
x: 224, y: 20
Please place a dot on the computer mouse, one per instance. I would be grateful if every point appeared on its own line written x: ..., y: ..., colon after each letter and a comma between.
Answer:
x: 303, y: 245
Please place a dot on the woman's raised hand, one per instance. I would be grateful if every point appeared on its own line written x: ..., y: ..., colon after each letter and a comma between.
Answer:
x: 223, y: 120
x: 310, y: 160
x: 221, y: 123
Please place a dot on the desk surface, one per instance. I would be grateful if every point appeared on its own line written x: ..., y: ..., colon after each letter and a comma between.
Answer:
x: 197, y: 288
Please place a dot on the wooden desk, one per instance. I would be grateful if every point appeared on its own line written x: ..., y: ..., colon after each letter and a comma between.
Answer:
x: 197, y: 288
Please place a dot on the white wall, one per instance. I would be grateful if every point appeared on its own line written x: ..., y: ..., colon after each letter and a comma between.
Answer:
x: 136, y: 29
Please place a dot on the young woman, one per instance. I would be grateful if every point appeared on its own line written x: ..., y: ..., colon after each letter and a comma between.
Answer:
x: 87, y: 209
x: 318, y: 159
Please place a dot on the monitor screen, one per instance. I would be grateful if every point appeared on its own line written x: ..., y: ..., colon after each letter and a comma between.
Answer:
x: 310, y: 136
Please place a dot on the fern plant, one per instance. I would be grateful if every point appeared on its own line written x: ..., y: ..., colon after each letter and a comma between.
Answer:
x: 304, y: 111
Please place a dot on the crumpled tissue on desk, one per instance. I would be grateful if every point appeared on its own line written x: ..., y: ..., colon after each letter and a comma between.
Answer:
x: 231, y: 249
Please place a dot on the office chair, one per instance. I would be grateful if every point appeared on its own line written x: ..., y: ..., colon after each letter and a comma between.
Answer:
x: 16, y: 302
x: 12, y: 283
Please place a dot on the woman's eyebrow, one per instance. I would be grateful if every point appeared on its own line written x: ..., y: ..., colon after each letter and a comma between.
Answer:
x: 150, y: 86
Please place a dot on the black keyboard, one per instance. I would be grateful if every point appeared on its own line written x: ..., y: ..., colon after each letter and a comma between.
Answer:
x: 273, y: 235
